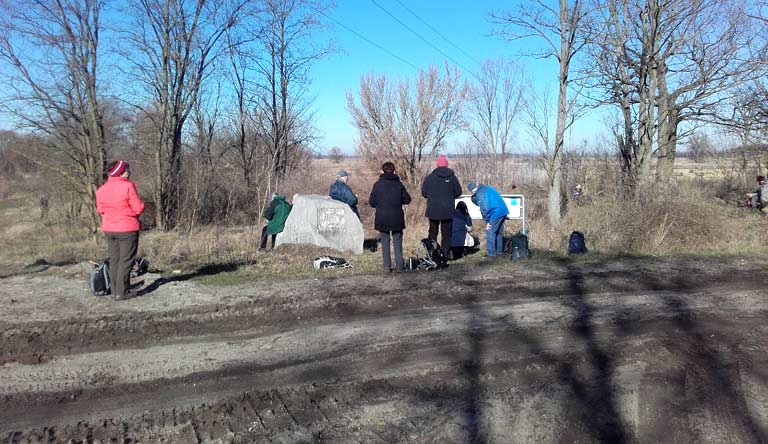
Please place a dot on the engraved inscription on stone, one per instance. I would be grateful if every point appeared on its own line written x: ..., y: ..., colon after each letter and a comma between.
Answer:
x: 330, y: 220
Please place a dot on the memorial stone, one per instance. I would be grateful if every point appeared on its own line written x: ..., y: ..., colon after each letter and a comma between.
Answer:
x: 322, y: 221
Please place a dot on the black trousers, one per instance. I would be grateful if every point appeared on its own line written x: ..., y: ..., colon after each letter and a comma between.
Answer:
x: 264, y: 236
x: 122, y: 248
x: 445, y: 228
x: 458, y: 252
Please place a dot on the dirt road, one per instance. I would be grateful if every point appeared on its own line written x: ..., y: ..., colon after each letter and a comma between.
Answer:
x: 552, y: 350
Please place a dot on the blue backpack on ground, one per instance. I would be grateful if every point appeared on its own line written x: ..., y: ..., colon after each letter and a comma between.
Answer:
x: 576, y: 243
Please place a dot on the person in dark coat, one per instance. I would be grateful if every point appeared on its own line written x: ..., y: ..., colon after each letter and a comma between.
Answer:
x: 276, y: 214
x: 388, y: 197
x: 343, y: 193
x: 462, y: 223
x: 441, y: 188
x: 759, y: 198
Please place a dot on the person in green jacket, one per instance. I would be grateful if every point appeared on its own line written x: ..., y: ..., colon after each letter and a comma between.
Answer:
x: 276, y: 214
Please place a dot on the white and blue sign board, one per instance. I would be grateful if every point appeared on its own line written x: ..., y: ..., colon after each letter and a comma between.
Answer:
x: 515, y: 204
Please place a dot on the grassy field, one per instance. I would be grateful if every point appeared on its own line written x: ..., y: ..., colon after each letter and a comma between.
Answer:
x: 688, y: 223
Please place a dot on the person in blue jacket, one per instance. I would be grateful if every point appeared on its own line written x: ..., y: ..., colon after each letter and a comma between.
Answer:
x: 462, y: 223
x: 494, y: 212
x: 343, y: 193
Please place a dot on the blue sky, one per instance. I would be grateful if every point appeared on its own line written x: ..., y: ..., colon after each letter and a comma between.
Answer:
x: 466, y: 24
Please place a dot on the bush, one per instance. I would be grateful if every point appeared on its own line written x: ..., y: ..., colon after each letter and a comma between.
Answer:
x: 676, y: 219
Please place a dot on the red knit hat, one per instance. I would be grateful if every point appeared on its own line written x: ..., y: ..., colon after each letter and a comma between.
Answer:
x: 761, y: 178
x: 118, y: 168
x: 442, y: 161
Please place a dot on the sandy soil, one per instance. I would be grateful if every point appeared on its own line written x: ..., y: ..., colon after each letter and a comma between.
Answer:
x: 552, y: 350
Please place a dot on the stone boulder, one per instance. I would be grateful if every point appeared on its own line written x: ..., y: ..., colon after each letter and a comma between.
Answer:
x: 322, y: 221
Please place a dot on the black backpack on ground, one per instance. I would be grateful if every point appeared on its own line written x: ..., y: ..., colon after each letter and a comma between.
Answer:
x: 517, y: 247
x: 431, y: 256
x: 98, y: 278
x: 140, y: 266
x: 576, y: 243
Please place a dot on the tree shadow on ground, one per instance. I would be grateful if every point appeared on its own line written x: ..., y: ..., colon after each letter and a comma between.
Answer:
x: 720, y: 388
x: 205, y: 270
x: 588, y: 372
x: 38, y: 266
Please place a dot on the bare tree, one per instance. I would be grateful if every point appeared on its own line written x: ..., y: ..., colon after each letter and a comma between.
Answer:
x: 51, y: 49
x: 700, y: 146
x: 495, y: 101
x: 705, y: 50
x: 174, y: 43
x: 335, y: 154
x: 665, y: 63
x: 560, y: 31
x: 621, y: 54
x: 245, y: 143
x: 288, y: 47
x: 408, y: 121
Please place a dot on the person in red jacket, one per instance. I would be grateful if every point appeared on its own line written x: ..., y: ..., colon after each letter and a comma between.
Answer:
x: 120, y: 207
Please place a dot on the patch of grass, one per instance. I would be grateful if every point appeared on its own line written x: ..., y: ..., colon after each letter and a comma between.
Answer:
x: 682, y: 222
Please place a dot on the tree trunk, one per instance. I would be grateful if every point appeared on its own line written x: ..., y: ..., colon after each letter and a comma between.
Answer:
x: 556, y: 171
x: 669, y: 117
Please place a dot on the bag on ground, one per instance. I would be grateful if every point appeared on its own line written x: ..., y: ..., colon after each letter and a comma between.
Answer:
x: 469, y: 241
x: 140, y: 266
x: 414, y: 263
x: 576, y: 243
x: 517, y: 247
x: 324, y: 262
x: 430, y: 255
x: 98, y: 278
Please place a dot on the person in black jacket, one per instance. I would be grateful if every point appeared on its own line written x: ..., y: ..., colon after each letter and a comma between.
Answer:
x: 388, y: 197
x: 441, y: 188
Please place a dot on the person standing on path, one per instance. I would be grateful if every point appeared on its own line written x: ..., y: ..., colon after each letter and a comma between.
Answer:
x: 494, y: 212
x: 276, y: 214
x: 388, y: 197
x: 120, y: 206
x: 343, y: 193
x: 441, y: 188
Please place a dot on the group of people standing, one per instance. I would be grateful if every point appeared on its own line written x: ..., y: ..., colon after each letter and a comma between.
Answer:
x: 120, y: 206
x: 441, y: 188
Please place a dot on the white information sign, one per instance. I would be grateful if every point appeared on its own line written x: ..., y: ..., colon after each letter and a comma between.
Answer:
x: 515, y: 204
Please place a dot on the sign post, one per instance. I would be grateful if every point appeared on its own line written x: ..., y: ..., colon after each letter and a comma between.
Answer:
x: 515, y: 205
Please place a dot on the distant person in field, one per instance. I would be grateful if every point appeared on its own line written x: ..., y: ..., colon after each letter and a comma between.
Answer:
x: 275, y: 214
x: 576, y: 193
x: 44, y: 206
x: 494, y: 212
x: 441, y: 188
x: 460, y: 237
x: 759, y: 198
x: 388, y: 197
x: 120, y: 206
x: 343, y: 193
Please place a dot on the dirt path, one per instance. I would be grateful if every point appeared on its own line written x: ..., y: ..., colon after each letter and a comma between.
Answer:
x: 620, y: 350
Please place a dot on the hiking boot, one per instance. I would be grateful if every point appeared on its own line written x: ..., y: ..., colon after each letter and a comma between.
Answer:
x: 128, y: 295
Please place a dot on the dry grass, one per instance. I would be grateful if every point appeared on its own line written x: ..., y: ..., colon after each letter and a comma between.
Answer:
x: 681, y: 221
x: 686, y: 220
